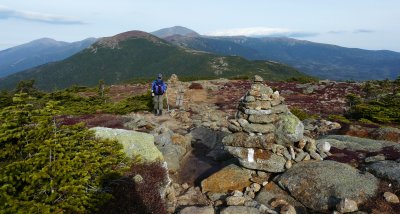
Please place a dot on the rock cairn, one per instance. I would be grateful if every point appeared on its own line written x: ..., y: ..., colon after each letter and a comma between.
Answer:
x: 266, y: 135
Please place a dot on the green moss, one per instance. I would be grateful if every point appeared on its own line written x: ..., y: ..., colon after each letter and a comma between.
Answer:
x: 302, y: 115
x: 339, y: 118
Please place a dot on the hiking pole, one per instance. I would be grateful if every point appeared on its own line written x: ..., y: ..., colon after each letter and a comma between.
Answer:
x: 166, y: 94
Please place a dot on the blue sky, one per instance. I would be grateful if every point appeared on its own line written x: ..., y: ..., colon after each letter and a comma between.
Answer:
x: 367, y: 24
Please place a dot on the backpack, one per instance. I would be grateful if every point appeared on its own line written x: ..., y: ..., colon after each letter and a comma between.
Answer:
x: 158, y: 88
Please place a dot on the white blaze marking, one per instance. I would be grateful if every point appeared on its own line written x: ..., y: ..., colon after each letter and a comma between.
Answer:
x: 250, y: 155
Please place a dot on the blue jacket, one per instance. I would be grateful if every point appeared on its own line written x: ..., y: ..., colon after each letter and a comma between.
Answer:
x: 156, y: 82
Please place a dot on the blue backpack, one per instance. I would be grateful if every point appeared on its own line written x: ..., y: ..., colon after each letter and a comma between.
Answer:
x: 158, y: 87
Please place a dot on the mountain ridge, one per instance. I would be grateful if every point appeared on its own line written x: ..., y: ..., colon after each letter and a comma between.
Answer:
x: 139, y: 55
x: 316, y: 59
x: 38, y: 52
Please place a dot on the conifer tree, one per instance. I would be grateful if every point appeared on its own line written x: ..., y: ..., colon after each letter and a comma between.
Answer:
x: 48, y: 168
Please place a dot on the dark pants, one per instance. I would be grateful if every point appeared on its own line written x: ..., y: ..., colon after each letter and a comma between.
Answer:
x: 158, y: 102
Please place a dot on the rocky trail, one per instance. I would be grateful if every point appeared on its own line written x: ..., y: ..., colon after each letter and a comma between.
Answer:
x: 234, y: 146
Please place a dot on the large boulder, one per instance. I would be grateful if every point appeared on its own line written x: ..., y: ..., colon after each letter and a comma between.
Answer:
x: 172, y: 146
x: 228, y: 179
x: 197, y: 210
x: 172, y: 155
x: 289, y: 129
x: 320, y: 185
x: 271, y: 192
x: 240, y: 210
x: 357, y: 143
x: 258, y: 159
x: 207, y: 137
x: 135, y: 144
x: 389, y: 170
x: 387, y: 133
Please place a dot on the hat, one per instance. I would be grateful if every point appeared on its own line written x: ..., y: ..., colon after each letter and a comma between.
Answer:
x: 159, y: 76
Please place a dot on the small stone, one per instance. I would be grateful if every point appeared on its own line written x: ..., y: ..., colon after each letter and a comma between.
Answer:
x: 391, y: 198
x: 235, y: 201
x: 288, y: 164
x: 185, y: 186
x: 297, y: 150
x: 233, y: 128
x: 249, y: 99
x: 250, y: 194
x: 218, y: 203
x: 278, y: 203
x: 278, y: 149
x: 262, y: 208
x: 346, y: 206
x: 264, y: 183
x: 276, y: 102
x: 243, y: 122
x: 302, y: 144
x: 287, y: 155
x: 138, y: 179
x: 256, y: 187
x: 237, y: 193
x: 324, y: 147
x: 265, y: 97
x: 257, y: 78
x: 288, y: 209
x: 323, y: 155
x: 307, y: 157
x: 216, y: 196
x: 310, y: 146
x: 315, y: 156
x: 375, y: 158
x: 252, y: 134
x: 234, y: 122
x: 257, y: 112
x: 258, y: 128
x: 300, y: 156
x: 292, y: 153
x: 262, y: 174
x: 263, y: 119
x: 251, y: 203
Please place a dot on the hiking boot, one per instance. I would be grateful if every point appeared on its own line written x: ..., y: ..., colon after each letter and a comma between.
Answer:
x: 155, y: 112
x: 160, y: 113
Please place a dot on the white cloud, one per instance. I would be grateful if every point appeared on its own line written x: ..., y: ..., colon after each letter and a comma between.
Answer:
x: 364, y: 31
x: 261, y: 31
x: 7, y: 13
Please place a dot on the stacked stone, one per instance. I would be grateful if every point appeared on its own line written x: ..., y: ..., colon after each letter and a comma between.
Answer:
x: 266, y: 135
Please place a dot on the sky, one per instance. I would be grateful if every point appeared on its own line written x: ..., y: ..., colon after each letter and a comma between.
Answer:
x: 366, y: 24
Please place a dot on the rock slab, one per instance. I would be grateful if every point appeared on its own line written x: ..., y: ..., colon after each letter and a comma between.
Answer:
x: 240, y: 210
x: 387, y: 170
x: 320, y: 185
x: 258, y: 159
x: 197, y: 210
x: 228, y: 179
x: 134, y: 143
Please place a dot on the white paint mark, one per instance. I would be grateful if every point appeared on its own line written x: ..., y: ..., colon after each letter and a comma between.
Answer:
x: 250, y: 155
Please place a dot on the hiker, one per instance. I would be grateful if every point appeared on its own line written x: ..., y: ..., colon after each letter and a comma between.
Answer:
x: 158, y: 88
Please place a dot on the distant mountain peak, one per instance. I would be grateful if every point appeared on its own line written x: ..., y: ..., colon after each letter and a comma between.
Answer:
x: 113, y: 41
x: 175, y: 30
